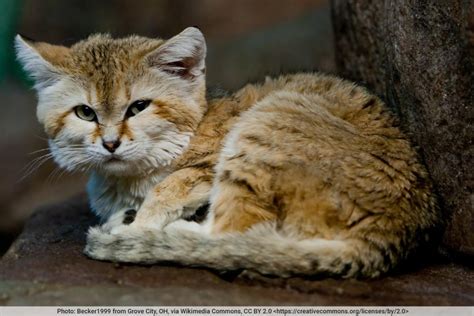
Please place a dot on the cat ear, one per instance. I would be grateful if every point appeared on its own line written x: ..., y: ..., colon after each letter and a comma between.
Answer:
x: 182, y: 55
x: 40, y: 60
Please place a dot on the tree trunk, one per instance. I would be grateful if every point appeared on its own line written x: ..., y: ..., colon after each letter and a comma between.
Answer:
x: 418, y: 56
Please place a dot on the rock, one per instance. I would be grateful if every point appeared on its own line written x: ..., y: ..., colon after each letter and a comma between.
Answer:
x: 45, y: 266
x: 418, y: 56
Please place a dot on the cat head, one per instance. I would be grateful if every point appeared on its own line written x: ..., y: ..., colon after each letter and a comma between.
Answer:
x: 120, y: 107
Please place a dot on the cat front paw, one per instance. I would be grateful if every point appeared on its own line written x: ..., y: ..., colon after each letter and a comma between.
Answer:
x: 129, y: 217
x: 122, y: 217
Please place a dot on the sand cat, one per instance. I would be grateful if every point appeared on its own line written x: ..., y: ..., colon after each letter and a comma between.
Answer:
x: 304, y: 174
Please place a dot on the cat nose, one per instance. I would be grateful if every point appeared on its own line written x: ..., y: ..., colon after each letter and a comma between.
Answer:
x: 111, y: 146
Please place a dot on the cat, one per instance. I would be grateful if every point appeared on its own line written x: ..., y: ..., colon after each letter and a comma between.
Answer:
x: 303, y: 174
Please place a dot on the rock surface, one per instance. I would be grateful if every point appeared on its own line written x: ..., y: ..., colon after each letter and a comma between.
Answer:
x: 45, y: 266
x: 418, y: 55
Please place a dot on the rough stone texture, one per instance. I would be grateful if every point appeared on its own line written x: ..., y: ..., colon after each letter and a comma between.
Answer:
x: 418, y: 55
x: 45, y: 266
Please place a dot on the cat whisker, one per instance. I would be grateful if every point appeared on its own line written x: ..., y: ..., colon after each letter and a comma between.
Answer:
x: 38, y: 151
x: 51, y: 176
x: 34, y: 161
x: 34, y: 165
x: 41, y: 137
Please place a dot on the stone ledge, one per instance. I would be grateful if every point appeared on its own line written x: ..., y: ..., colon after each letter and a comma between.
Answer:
x: 45, y: 266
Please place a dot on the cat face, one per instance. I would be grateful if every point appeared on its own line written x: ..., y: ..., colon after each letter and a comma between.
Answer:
x: 118, y: 106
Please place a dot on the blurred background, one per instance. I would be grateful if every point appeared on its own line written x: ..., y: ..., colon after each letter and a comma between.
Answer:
x: 247, y: 40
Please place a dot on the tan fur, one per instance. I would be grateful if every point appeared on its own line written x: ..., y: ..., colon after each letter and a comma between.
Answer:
x: 320, y: 157
x: 110, y: 67
x: 305, y: 173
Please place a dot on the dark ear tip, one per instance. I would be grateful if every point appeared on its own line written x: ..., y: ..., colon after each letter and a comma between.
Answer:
x: 197, y: 27
x: 26, y: 38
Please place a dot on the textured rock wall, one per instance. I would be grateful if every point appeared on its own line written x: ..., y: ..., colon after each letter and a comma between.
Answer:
x: 418, y: 55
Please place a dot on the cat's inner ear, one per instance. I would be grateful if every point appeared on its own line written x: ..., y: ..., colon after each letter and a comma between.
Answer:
x: 182, y: 55
x: 42, y: 61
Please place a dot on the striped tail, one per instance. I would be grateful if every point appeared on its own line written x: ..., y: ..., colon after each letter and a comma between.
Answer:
x: 261, y: 249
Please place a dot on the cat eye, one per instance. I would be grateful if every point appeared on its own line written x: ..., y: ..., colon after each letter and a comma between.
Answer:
x: 85, y: 113
x: 136, y: 107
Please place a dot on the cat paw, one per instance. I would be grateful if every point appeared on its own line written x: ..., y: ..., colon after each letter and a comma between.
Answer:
x: 121, y: 230
x: 129, y: 217
x: 119, y: 218
x: 157, y: 223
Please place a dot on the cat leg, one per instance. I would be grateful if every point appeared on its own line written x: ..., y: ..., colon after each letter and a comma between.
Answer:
x: 179, y: 195
x: 242, y: 194
x: 236, y: 206
x: 119, y: 218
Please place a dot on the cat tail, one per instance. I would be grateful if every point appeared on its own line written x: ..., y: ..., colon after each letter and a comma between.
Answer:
x: 261, y: 249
